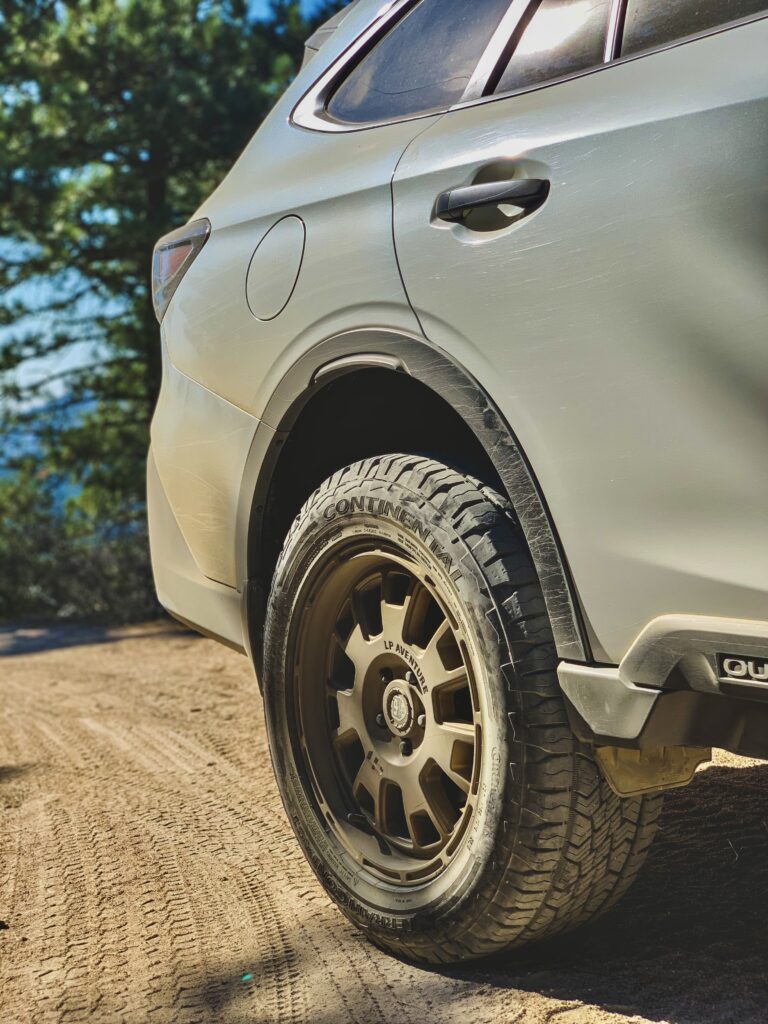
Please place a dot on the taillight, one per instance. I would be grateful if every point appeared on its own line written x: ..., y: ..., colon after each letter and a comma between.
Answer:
x: 172, y: 258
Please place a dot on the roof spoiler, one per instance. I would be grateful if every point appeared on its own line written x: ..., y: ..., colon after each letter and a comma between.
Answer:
x: 324, y: 32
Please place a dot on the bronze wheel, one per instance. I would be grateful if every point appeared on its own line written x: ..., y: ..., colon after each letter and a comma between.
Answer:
x: 389, y: 717
x: 420, y: 739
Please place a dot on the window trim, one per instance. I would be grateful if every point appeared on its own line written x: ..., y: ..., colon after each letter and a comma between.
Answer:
x: 310, y: 111
x: 615, y: 35
x: 612, y: 40
x: 495, y: 53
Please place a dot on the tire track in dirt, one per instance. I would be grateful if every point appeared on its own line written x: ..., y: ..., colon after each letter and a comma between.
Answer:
x: 148, y: 873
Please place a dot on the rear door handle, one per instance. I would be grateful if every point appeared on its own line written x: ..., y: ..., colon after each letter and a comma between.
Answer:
x: 527, y: 193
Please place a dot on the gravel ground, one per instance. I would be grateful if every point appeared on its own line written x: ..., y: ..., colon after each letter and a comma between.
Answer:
x: 147, y: 872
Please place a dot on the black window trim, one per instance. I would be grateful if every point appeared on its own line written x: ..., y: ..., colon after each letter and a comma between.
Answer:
x: 615, y: 31
x: 496, y: 53
x: 310, y: 112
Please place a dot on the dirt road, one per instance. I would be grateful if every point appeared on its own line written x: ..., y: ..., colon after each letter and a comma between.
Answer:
x: 147, y: 872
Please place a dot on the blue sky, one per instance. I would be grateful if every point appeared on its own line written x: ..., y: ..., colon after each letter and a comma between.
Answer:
x: 261, y: 6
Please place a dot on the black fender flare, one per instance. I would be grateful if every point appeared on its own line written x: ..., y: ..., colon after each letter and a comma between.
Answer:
x: 400, y: 353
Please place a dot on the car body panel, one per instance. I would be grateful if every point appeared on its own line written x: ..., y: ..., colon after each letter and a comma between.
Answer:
x: 182, y: 589
x: 201, y: 470
x: 212, y: 335
x: 622, y: 327
x: 339, y: 186
x: 224, y: 360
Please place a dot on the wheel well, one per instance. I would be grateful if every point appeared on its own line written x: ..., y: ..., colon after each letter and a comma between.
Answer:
x: 364, y: 413
x: 434, y: 408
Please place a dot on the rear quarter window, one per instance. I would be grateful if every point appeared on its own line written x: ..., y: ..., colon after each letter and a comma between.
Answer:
x: 423, y: 63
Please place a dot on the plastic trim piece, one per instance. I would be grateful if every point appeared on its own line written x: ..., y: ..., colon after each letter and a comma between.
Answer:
x: 337, y: 367
x: 617, y: 703
x: 692, y: 643
x: 496, y: 50
x: 615, y: 30
x: 611, y: 707
x: 635, y: 772
x: 457, y: 387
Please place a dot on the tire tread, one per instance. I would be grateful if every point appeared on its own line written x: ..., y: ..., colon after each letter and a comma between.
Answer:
x: 571, y: 848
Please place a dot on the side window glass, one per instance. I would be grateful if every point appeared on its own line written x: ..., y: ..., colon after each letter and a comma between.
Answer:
x: 651, y: 23
x: 557, y: 38
x: 423, y: 63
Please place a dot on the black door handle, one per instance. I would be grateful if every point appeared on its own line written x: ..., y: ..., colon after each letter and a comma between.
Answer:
x: 527, y: 193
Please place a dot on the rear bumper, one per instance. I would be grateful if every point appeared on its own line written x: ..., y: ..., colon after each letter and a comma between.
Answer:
x: 211, y: 608
x: 671, y: 689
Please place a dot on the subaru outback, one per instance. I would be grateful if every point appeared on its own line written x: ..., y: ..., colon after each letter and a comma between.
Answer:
x: 461, y: 439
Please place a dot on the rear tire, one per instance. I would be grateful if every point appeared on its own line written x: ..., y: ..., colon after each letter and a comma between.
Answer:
x: 525, y: 839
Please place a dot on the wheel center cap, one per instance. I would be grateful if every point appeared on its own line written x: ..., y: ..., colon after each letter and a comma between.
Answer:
x: 398, y: 710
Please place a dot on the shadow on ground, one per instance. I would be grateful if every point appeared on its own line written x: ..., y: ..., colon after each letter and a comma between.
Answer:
x: 18, y: 640
x: 12, y: 772
x: 687, y: 945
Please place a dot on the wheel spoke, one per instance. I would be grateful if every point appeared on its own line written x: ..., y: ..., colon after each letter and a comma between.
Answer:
x: 437, y: 637
x: 357, y: 649
x: 433, y: 664
x: 393, y: 619
x: 417, y: 803
x: 447, y: 676
x: 420, y: 603
x: 350, y: 715
x: 452, y: 759
x: 362, y: 616
x: 371, y: 780
x: 394, y: 616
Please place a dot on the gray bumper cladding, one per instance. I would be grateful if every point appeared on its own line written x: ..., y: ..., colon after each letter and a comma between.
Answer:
x: 686, y: 680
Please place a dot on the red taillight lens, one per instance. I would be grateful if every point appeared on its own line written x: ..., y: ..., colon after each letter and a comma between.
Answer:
x: 172, y: 258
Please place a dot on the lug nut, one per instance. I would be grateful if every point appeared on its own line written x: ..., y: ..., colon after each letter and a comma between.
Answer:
x: 381, y: 720
x: 386, y: 675
x: 406, y: 748
x: 421, y: 721
x: 410, y: 678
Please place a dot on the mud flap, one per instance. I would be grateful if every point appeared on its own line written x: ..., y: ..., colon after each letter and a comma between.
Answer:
x: 637, y: 772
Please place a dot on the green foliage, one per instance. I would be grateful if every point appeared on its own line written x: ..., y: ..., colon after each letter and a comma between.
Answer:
x: 117, y: 117
x: 58, y: 562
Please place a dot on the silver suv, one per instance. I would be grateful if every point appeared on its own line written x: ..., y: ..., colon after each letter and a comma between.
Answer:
x: 462, y: 439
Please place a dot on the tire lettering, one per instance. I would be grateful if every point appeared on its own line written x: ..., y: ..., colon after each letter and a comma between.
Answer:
x: 386, y: 509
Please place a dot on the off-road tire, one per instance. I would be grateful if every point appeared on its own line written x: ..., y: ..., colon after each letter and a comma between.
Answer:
x: 553, y: 845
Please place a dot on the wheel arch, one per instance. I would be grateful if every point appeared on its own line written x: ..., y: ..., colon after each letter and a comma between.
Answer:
x: 468, y: 423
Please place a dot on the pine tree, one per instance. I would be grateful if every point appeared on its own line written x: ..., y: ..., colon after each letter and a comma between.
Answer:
x: 117, y: 117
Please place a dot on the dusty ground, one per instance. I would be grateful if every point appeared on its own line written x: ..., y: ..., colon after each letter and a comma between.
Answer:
x: 147, y: 873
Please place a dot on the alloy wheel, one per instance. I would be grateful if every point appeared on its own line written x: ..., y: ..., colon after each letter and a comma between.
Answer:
x: 389, y: 720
